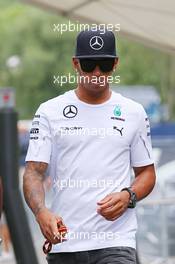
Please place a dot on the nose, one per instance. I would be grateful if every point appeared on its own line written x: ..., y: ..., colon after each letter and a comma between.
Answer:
x: 97, y: 71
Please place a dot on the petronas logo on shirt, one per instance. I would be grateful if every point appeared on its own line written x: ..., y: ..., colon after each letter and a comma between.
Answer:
x: 117, y: 110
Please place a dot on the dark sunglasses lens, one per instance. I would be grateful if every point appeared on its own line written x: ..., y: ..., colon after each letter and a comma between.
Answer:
x: 106, y: 65
x: 87, y: 65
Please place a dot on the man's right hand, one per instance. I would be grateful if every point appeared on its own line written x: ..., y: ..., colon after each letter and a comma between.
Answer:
x: 48, y: 223
x: 35, y: 197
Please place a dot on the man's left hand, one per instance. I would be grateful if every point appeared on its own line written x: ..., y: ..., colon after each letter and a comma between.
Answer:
x: 113, y: 205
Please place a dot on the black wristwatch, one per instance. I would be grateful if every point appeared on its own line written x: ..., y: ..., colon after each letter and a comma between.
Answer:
x: 133, y: 197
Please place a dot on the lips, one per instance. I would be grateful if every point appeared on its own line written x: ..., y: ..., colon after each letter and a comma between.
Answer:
x: 98, y: 81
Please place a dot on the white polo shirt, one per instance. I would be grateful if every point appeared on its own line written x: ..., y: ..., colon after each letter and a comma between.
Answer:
x: 90, y: 149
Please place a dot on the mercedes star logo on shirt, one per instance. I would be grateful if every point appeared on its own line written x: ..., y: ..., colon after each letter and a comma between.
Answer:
x: 96, y: 43
x: 70, y: 111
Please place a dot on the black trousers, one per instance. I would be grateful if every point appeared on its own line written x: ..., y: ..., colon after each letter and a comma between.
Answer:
x: 114, y: 255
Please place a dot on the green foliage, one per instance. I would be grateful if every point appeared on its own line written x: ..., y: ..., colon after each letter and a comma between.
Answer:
x: 27, y: 32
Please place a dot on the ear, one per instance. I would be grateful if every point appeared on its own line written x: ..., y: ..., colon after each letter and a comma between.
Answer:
x: 75, y: 63
x: 115, y: 63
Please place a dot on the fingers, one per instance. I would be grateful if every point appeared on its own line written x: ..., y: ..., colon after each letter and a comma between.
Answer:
x: 59, y: 238
x: 50, y: 227
x: 113, y: 209
x: 113, y: 212
x: 50, y: 230
x: 54, y: 231
x: 61, y: 231
x: 105, y: 200
x: 59, y: 221
x: 108, y: 204
x: 112, y: 206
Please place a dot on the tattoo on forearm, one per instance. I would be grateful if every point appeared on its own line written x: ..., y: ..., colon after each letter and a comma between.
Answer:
x: 33, y: 185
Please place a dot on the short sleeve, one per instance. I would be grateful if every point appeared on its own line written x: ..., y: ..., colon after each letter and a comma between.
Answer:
x: 141, y: 147
x: 40, y: 138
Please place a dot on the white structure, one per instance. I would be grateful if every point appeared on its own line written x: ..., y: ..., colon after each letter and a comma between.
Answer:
x: 151, y: 22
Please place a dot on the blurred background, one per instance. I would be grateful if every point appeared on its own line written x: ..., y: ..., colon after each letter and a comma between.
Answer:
x: 32, y: 52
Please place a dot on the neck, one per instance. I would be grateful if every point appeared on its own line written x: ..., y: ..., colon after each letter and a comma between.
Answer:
x: 93, y: 97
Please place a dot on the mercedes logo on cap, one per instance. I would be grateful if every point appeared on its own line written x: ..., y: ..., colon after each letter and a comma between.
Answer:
x: 70, y: 111
x: 96, y: 43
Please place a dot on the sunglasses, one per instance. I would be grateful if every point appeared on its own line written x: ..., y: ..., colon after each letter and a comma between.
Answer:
x: 89, y: 65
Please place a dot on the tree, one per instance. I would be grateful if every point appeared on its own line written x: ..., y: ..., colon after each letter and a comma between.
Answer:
x: 28, y: 32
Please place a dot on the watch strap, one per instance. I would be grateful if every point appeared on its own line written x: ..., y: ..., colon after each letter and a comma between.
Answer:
x: 133, y: 197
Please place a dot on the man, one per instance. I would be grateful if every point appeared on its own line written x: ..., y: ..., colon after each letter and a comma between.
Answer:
x: 96, y: 202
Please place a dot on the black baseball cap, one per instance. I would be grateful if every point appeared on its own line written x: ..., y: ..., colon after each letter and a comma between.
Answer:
x: 95, y: 44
